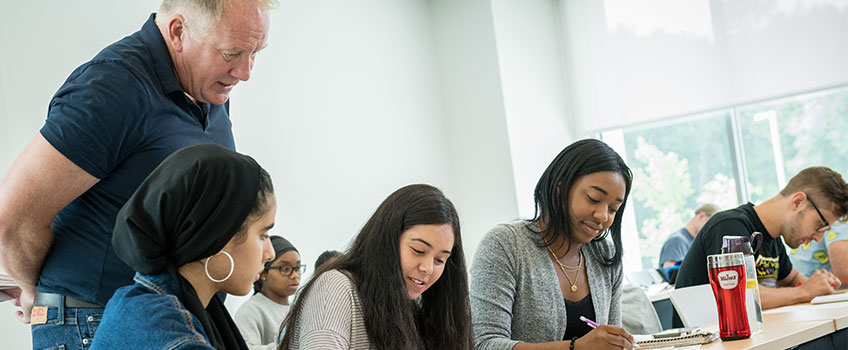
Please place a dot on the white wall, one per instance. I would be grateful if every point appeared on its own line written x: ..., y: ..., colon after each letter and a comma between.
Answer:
x: 5, y: 132
x: 343, y: 108
x: 529, y: 45
x: 480, y: 163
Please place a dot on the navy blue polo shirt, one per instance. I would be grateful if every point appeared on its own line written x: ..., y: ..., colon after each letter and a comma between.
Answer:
x: 117, y: 117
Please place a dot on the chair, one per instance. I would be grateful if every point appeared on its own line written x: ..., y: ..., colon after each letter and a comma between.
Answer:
x: 695, y: 305
x: 638, y: 315
x: 645, y: 278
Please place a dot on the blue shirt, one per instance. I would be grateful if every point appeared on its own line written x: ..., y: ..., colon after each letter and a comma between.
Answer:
x: 813, y: 255
x: 117, y: 117
x: 676, y: 246
x: 149, y: 315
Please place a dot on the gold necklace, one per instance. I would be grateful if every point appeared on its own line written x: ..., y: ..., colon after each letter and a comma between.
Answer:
x: 563, y: 267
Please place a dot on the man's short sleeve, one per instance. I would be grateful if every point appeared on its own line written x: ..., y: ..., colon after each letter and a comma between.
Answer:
x: 95, y: 118
x: 693, y: 270
x: 785, y: 263
x: 674, y: 249
x: 839, y: 232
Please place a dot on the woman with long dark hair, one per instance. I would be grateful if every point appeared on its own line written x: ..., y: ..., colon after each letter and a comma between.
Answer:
x: 401, y: 285
x: 198, y: 225
x: 532, y: 280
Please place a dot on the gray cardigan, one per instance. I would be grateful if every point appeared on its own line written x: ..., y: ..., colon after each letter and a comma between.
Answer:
x: 515, y: 293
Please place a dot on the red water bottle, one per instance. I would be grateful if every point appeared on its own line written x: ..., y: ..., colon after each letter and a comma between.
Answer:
x: 727, y: 278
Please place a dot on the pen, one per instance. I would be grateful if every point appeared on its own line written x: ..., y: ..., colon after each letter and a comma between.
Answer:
x: 589, y: 322
x: 593, y: 324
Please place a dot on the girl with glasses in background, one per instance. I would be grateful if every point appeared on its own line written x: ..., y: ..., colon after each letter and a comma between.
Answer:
x: 259, y: 318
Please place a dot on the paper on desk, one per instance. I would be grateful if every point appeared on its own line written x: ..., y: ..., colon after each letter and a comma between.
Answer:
x: 4, y: 297
x: 803, y: 307
x: 6, y: 282
x: 833, y: 298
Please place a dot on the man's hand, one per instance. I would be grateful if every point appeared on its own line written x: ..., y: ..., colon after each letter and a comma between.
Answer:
x: 820, y: 282
x: 23, y: 299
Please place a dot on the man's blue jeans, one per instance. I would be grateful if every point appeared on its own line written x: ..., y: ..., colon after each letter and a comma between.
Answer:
x: 74, y: 331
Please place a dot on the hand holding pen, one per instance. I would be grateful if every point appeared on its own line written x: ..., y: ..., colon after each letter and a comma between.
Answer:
x: 605, y: 337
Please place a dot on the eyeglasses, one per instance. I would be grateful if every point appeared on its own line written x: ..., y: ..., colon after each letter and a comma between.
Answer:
x: 288, y: 270
x: 826, y: 225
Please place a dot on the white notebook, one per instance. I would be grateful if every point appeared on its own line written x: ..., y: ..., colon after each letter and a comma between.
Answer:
x: 833, y: 298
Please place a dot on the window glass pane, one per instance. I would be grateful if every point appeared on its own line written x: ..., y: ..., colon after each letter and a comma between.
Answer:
x: 781, y: 138
x: 677, y: 167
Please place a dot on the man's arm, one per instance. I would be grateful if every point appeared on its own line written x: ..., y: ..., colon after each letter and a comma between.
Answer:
x: 820, y: 283
x: 837, y: 252
x: 40, y: 183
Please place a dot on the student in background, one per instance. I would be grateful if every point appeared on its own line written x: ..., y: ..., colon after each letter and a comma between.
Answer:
x: 259, y: 318
x: 531, y: 281
x: 196, y: 226
x: 802, y: 212
x: 829, y: 254
x: 401, y: 285
x: 327, y: 256
x: 677, y: 244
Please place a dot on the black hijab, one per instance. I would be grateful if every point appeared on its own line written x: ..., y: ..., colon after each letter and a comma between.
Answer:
x: 189, y: 207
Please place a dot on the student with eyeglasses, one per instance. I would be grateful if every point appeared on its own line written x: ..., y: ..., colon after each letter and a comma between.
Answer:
x: 802, y: 212
x: 259, y: 318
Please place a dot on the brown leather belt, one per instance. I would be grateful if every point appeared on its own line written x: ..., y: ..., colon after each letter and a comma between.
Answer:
x: 52, y: 299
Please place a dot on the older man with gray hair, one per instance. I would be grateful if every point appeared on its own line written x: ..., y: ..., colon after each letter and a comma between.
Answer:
x: 108, y: 126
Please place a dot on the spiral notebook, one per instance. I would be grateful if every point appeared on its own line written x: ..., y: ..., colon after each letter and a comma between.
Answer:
x: 696, y: 336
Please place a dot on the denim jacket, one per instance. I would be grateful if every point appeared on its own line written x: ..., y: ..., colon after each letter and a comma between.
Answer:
x: 149, y: 315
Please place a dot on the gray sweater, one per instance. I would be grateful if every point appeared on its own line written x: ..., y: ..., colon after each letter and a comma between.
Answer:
x: 515, y: 293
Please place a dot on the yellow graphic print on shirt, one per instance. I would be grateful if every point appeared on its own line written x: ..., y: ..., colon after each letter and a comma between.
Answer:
x: 767, y: 268
x: 831, y: 235
x: 821, y: 256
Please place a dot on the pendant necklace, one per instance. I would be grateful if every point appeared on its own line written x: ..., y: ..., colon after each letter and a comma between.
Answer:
x: 564, y: 267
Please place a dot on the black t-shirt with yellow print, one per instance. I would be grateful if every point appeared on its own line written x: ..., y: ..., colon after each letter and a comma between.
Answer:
x: 772, y: 262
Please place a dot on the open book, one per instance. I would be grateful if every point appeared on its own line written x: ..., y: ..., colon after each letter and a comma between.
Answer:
x: 670, y: 338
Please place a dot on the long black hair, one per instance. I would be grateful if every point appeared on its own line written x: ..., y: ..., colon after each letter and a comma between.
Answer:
x: 441, y: 318
x: 581, y: 158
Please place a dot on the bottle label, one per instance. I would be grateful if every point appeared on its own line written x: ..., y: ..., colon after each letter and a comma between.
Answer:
x: 751, y: 284
x: 728, y: 279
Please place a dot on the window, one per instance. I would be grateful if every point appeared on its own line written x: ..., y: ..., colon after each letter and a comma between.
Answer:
x: 782, y: 137
x: 725, y: 157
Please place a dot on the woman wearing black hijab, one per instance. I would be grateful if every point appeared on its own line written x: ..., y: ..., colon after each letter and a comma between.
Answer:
x: 196, y: 226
